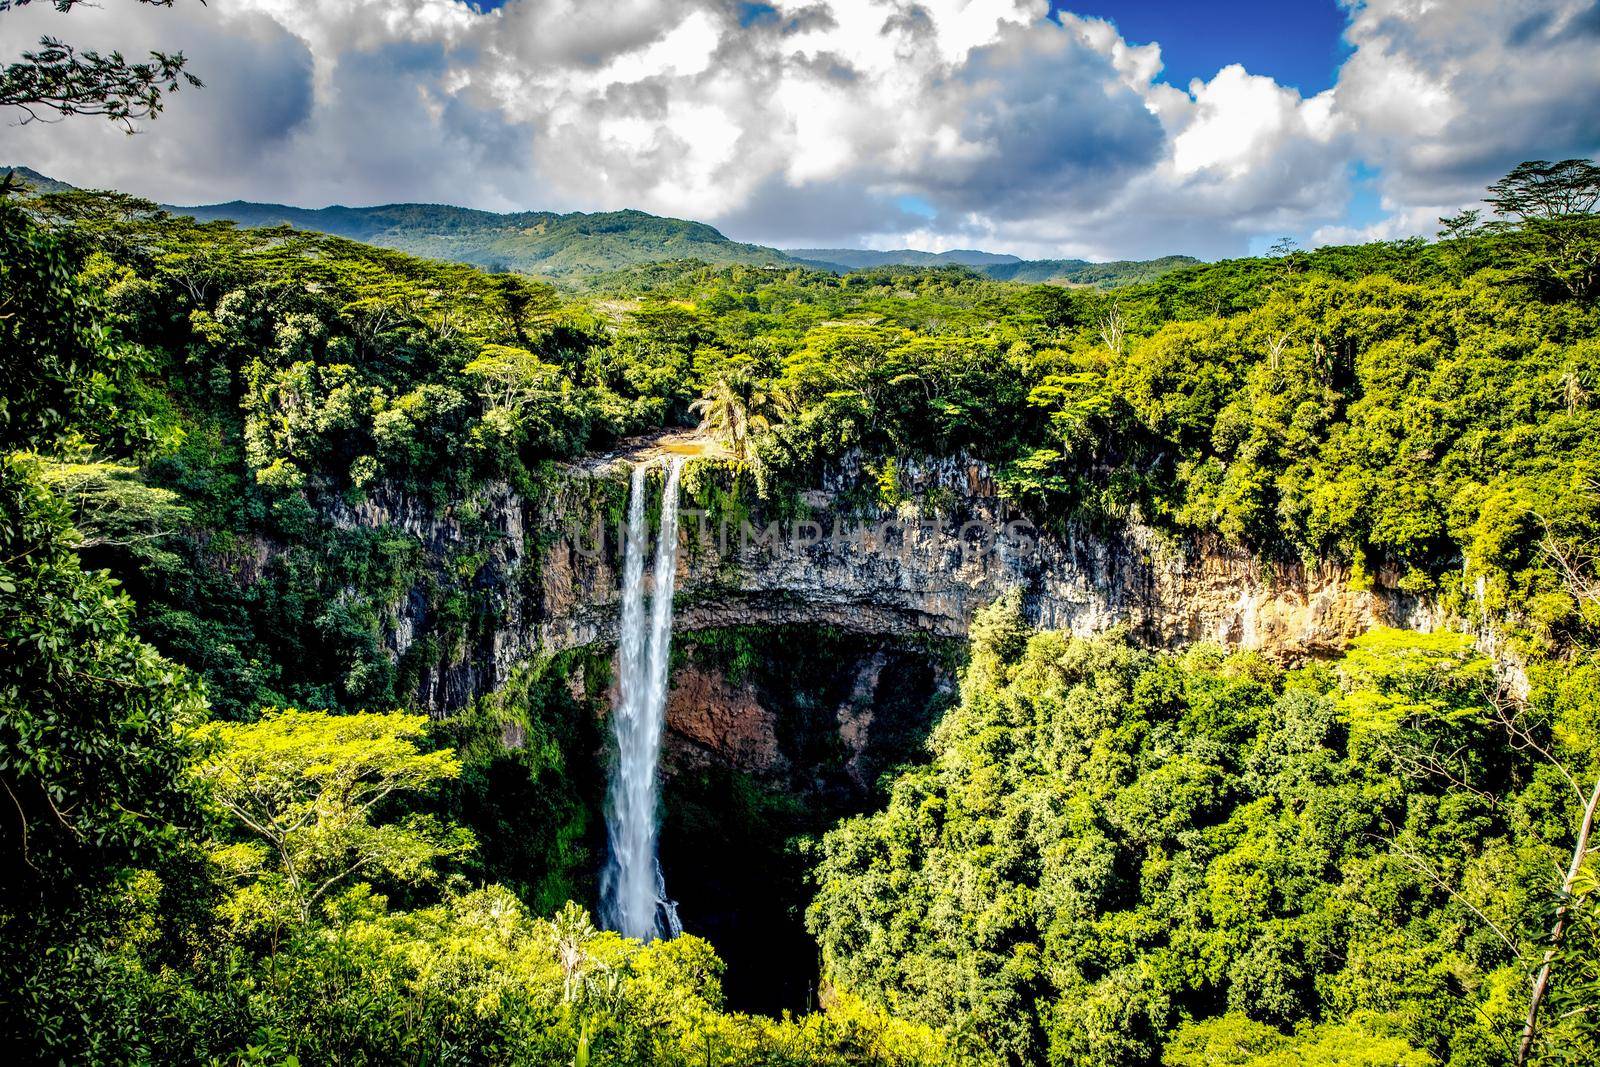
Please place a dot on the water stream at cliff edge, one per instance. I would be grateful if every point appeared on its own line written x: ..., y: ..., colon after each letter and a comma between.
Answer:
x: 633, y: 894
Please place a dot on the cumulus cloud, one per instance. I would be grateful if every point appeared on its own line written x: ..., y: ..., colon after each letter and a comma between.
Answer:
x: 1447, y: 96
x: 938, y: 123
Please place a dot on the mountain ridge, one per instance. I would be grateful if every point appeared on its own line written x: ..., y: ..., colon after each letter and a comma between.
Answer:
x: 575, y: 244
x: 534, y: 242
x: 39, y: 183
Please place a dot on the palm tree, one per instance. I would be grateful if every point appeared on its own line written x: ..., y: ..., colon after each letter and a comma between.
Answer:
x: 570, y: 934
x: 730, y: 412
x: 1572, y: 392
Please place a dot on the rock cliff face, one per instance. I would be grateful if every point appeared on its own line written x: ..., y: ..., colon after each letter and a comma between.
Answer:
x: 546, y: 571
x: 823, y: 724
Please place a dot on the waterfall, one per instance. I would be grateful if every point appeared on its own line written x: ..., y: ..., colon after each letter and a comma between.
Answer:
x: 633, y: 894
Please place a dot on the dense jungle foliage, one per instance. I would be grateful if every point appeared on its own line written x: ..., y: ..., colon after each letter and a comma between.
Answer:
x: 232, y: 838
x: 1119, y: 857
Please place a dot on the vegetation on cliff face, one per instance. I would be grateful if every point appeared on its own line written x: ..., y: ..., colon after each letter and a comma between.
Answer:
x: 1114, y: 856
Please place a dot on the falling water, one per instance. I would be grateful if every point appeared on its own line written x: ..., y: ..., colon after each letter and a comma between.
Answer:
x: 633, y: 893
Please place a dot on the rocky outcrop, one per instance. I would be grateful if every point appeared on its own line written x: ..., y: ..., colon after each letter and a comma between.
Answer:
x: 483, y: 544
x: 953, y: 549
x: 711, y: 720
x: 546, y: 571
x: 823, y: 722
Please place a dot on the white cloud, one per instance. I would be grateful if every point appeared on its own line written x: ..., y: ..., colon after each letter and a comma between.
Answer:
x: 812, y: 121
x: 1448, y: 96
x: 1240, y: 120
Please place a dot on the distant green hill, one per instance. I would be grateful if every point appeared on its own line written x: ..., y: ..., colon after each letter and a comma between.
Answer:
x: 36, y: 182
x: 535, y: 242
x: 543, y: 242
x: 859, y: 258
x: 1082, y: 272
x: 1005, y: 268
x: 556, y: 245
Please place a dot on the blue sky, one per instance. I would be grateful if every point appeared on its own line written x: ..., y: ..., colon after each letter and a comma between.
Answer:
x: 1296, y: 42
x: 869, y: 123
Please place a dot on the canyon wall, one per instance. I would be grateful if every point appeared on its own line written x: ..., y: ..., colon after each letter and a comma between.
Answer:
x: 546, y: 571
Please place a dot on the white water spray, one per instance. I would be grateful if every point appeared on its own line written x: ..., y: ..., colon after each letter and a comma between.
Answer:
x: 633, y: 894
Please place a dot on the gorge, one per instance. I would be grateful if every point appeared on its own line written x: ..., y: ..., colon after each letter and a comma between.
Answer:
x: 761, y: 744
x: 395, y: 654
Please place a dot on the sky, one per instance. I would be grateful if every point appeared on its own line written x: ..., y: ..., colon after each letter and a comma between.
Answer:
x: 1099, y: 129
x: 1299, y: 43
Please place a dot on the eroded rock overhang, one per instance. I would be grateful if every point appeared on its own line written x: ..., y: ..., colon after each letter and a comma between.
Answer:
x: 548, y: 570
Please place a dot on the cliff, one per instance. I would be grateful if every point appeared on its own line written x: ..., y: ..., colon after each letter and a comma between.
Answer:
x: 546, y: 571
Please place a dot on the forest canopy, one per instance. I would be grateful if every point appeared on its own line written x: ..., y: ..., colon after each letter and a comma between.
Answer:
x: 233, y: 837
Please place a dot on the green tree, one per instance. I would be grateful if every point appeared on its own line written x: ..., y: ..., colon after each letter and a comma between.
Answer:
x: 1108, y: 841
x: 306, y: 789
x: 1554, y: 205
x: 95, y: 738
x: 515, y: 379
x: 61, y: 378
x: 1539, y: 189
x: 59, y: 79
x: 731, y: 413
x: 95, y: 731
